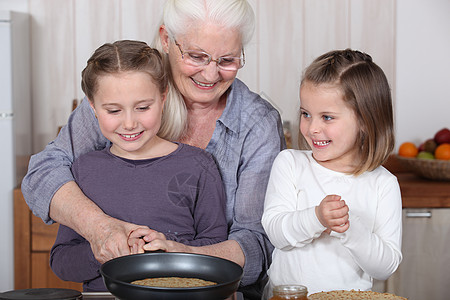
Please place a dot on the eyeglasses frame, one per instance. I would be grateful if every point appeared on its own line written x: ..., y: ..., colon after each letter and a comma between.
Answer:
x: 210, y: 59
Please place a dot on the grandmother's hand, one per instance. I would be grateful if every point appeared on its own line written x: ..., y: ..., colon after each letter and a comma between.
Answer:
x: 109, y: 239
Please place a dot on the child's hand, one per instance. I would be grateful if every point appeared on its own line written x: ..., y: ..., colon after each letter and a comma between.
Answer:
x: 136, y: 245
x: 139, y: 237
x: 332, y: 213
x: 149, y: 240
x: 157, y: 241
x: 142, y: 240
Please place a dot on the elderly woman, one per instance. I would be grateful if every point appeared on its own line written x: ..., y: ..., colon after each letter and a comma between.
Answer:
x: 204, y: 44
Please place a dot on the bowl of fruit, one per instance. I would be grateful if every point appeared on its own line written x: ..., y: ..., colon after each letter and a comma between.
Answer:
x: 431, y: 159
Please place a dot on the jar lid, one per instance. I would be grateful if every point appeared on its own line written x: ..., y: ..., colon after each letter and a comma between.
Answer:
x: 290, y: 290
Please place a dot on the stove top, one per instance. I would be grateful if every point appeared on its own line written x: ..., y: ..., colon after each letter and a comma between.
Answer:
x: 109, y: 296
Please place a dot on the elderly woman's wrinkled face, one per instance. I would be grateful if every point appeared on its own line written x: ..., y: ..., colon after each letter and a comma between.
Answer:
x: 203, y: 84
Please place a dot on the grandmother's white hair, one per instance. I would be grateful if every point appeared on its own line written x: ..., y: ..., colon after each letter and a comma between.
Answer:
x: 180, y: 15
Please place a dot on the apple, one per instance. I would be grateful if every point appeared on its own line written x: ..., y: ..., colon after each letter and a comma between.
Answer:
x: 421, y: 147
x: 425, y: 155
x: 429, y: 145
x: 442, y: 136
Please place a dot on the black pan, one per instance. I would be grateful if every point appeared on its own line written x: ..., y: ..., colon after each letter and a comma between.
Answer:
x: 119, y: 272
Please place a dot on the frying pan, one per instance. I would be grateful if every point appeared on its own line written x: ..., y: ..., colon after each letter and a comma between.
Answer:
x: 119, y: 272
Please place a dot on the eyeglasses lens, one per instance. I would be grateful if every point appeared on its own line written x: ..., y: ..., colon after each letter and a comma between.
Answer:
x: 198, y: 59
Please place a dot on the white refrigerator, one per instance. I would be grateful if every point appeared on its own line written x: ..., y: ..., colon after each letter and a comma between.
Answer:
x: 15, y: 128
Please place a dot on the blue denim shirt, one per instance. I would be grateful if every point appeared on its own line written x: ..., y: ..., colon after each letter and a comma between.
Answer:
x: 247, y: 138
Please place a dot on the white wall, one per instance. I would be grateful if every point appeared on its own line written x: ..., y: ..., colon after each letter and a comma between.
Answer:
x: 423, y: 69
x: 16, y: 5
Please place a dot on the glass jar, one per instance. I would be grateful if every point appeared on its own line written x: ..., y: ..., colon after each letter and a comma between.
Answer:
x: 291, y: 292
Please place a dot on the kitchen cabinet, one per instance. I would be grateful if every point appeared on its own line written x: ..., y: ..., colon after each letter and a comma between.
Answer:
x: 424, y: 272
x: 32, y: 243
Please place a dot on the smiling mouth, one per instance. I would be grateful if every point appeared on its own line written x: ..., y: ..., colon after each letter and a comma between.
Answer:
x: 202, y: 84
x: 321, y: 143
x: 130, y: 136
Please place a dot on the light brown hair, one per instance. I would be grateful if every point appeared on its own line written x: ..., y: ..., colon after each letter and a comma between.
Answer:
x: 125, y: 56
x: 366, y: 90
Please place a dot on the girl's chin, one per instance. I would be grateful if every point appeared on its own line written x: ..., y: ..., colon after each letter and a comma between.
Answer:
x: 320, y: 157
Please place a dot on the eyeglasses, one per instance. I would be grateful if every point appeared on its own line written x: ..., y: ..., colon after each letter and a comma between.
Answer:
x: 200, y: 58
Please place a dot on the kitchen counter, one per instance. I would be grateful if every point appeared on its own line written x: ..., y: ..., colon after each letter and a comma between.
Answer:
x: 418, y: 192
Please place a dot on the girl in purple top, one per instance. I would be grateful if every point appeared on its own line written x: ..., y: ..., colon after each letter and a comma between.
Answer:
x: 172, y: 188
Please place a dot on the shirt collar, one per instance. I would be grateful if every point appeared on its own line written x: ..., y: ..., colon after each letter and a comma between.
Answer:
x: 230, y: 117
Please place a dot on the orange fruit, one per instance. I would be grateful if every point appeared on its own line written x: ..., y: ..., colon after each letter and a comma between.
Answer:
x: 442, y: 151
x: 408, y: 149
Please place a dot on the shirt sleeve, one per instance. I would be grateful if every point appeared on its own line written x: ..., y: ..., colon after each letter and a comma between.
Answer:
x: 49, y: 169
x: 71, y: 257
x: 378, y: 251
x: 286, y: 226
x: 264, y: 141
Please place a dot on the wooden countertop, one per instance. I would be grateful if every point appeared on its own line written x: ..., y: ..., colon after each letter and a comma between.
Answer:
x: 419, y: 192
x: 422, y: 193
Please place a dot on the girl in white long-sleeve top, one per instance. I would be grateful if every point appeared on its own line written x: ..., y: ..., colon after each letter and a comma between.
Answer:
x: 333, y: 213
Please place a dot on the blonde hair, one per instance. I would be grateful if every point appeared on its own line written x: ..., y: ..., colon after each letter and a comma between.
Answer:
x: 178, y: 17
x: 366, y: 90
x: 123, y: 56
